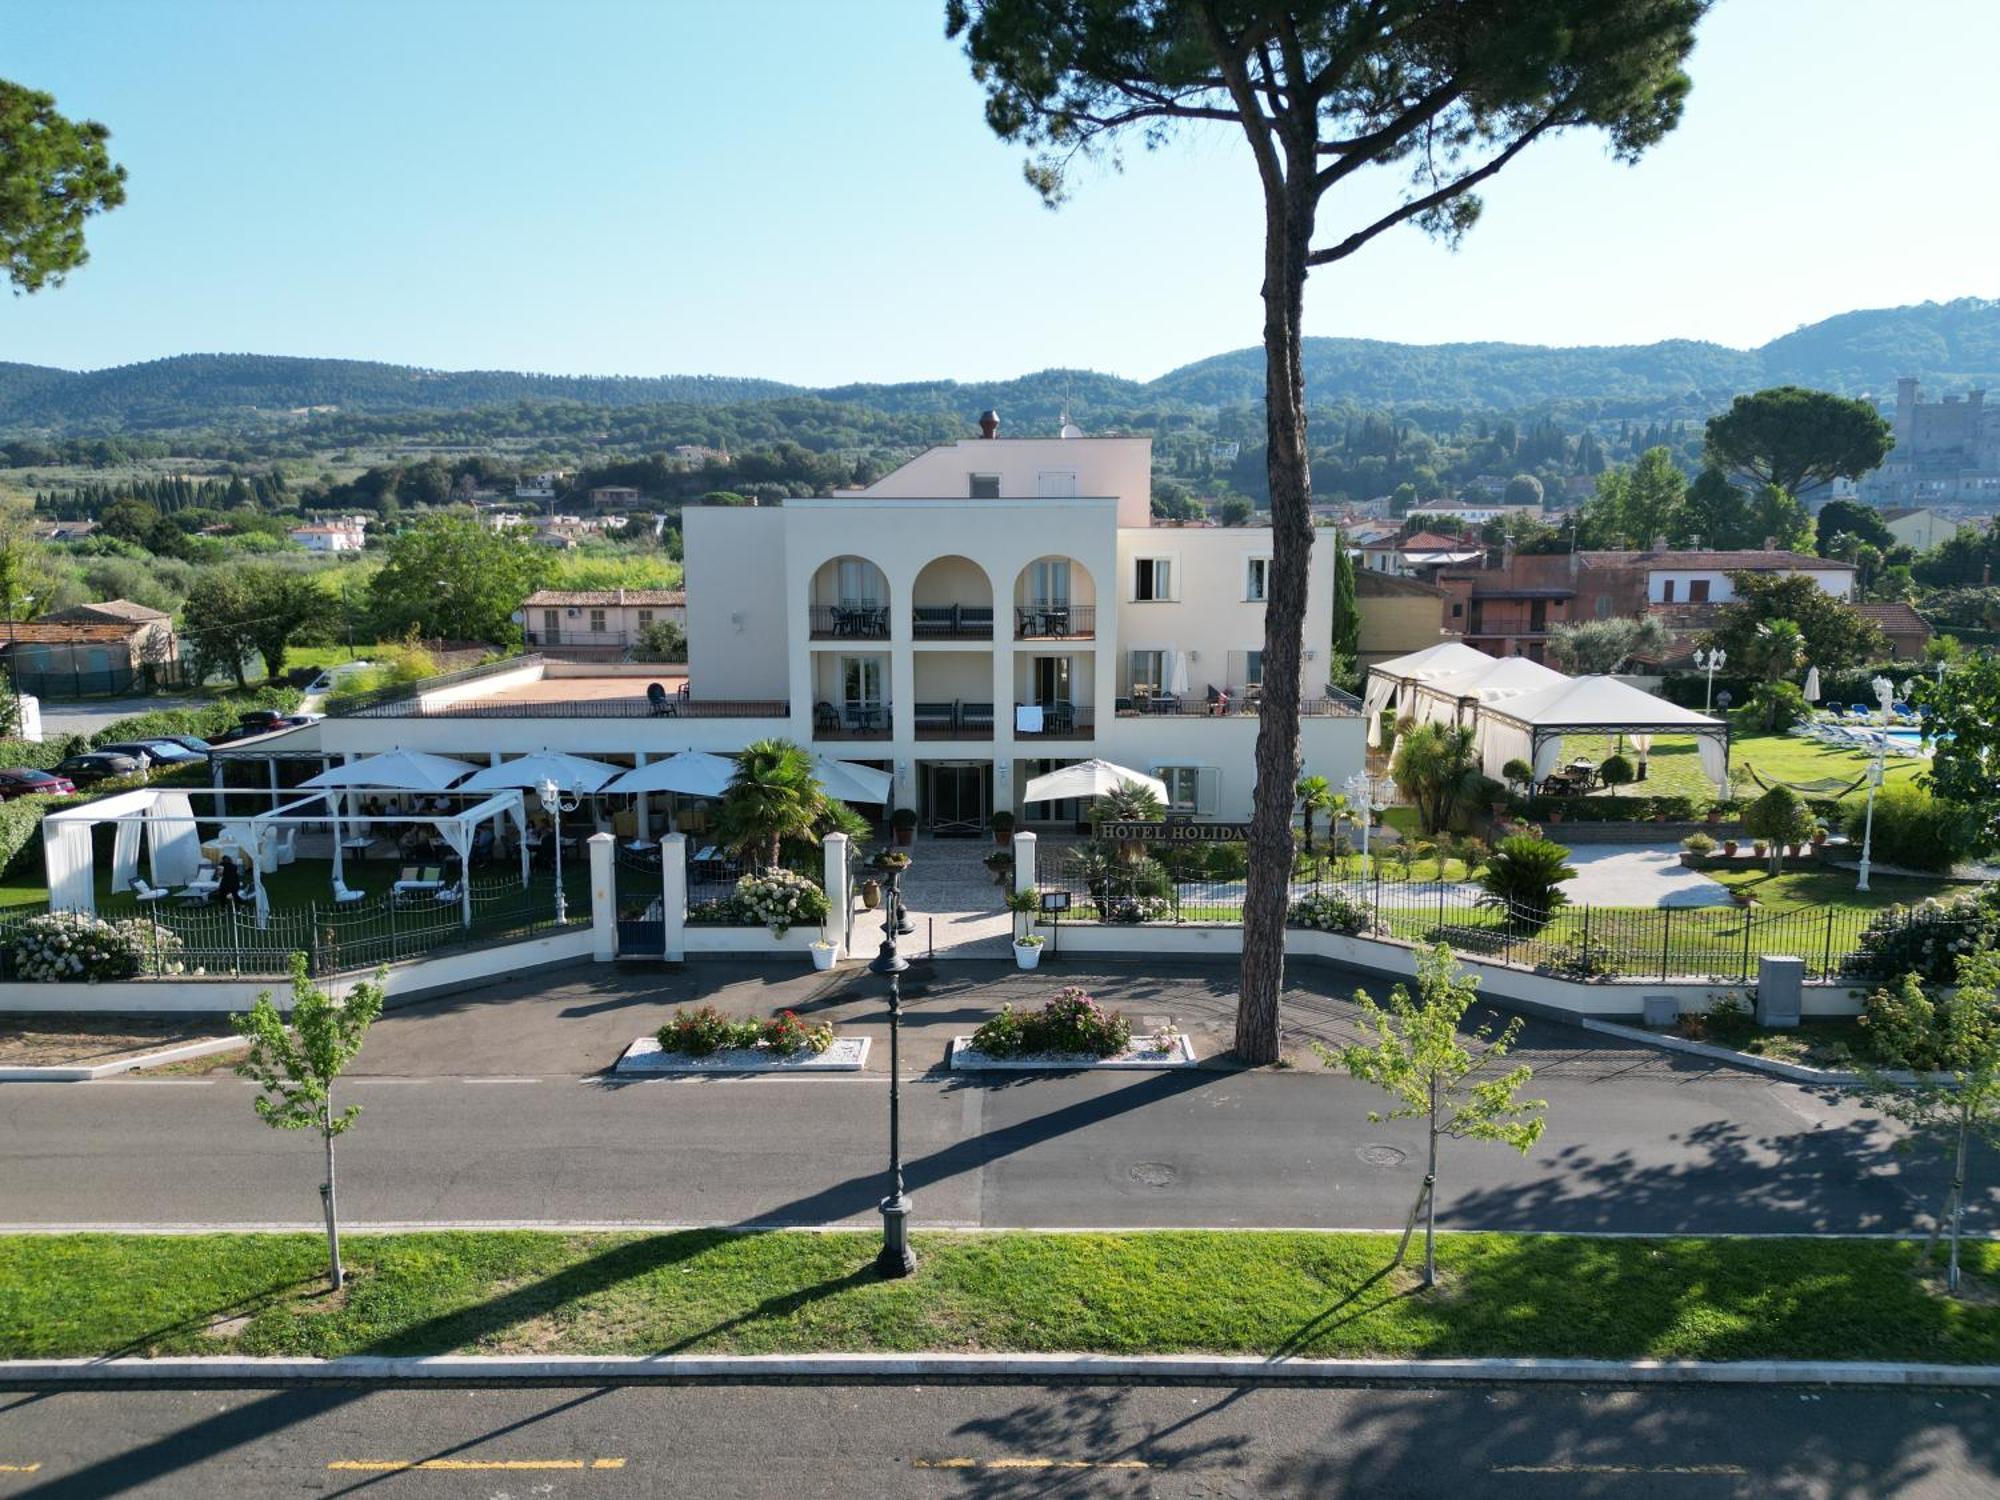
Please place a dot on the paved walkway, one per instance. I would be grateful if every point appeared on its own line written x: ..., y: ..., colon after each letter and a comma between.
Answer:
x: 953, y: 899
x: 1617, y: 876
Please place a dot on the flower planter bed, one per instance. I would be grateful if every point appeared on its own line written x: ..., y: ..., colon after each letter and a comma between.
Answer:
x: 848, y: 1054
x: 1140, y: 1055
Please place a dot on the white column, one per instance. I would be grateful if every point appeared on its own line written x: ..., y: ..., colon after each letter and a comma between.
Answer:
x: 603, y: 899
x: 674, y: 896
x: 839, y: 898
x: 1024, y: 871
x: 641, y: 807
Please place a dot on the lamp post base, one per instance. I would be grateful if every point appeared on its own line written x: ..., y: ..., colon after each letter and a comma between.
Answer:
x: 896, y: 1258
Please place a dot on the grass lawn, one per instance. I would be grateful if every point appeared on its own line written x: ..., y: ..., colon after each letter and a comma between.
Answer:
x: 1797, y: 888
x: 1673, y: 769
x: 1786, y: 757
x: 1260, y: 1293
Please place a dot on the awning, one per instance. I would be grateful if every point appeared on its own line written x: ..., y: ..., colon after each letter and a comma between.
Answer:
x: 573, y: 773
x: 694, y: 773
x: 1088, y: 778
x: 398, y: 771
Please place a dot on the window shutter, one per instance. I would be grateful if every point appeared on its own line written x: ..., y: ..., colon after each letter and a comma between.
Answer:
x: 1207, y: 787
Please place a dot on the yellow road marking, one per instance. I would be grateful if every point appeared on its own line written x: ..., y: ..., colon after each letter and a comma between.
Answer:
x: 1028, y: 1463
x: 469, y: 1465
x: 1618, y: 1469
x: 18, y: 1468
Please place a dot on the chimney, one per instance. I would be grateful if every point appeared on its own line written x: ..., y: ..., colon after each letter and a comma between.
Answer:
x: 1659, y: 544
x: 989, y: 424
x: 1770, y: 544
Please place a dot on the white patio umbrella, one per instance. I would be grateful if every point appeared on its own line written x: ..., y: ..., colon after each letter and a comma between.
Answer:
x: 1088, y: 778
x: 1812, y: 684
x: 850, y: 782
x: 694, y: 773
x: 396, y: 771
x: 570, y: 772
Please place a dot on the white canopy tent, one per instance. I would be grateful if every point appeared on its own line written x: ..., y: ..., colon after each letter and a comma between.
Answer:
x: 1453, y: 697
x: 163, y: 821
x: 1390, y: 682
x: 692, y: 773
x: 1088, y: 778
x: 573, y: 773
x: 1531, y: 727
x: 396, y: 771
x: 850, y: 782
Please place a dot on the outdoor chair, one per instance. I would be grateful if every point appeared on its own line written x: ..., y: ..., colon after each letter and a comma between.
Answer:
x: 143, y: 892
x: 825, y: 716
x: 658, y: 703
x: 406, y: 875
x: 1860, y: 710
x: 344, y: 895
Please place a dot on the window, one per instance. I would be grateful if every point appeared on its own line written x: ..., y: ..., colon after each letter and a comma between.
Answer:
x: 1697, y: 591
x: 1256, y: 578
x: 861, y: 681
x: 1149, y: 672
x: 1153, y: 579
x: 1253, y: 669
x: 1458, y: 611
x: 552, y: 624
x: 1055, y: 484
x: 1603, y: 606
x: 1667, y: 592
x: 986, y: 486
x: 1052, y: 680
x: 1183, y: 787
x: 1048, y: 581
x: 597, y: 622
x: 645, y: 618
x: 858, y: 582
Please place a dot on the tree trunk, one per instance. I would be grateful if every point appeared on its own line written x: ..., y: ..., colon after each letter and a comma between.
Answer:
x: 1957, y: 1207
x: 1288, y: 224
x: 1430, y: 1194
x: 334, y: 1274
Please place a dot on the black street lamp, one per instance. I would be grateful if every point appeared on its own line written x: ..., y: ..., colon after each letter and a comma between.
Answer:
x: 896, y: 1257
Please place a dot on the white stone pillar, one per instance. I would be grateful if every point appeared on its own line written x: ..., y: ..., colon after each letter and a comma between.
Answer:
x: 839, y: 897
x: 603, y: 899
x: 1025, y: 845
x: 674, y: 896
x: 641, y: 807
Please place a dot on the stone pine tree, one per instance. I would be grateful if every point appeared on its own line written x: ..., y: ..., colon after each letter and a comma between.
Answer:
x: 1442, y: 93
x: 54, y: 174
x: 296, y: 1064
x: 1438, y: 1074
x: 1798, y: 439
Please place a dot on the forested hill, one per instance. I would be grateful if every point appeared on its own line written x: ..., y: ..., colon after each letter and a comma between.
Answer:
x: 1949, y: 345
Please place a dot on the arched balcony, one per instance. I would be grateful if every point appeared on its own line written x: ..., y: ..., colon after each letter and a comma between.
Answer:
x: 849, y: 601
x: 1055, y: 600
x: 951, y: 600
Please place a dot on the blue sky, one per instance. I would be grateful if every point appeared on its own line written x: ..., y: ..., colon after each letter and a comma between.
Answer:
x: 805, y: 189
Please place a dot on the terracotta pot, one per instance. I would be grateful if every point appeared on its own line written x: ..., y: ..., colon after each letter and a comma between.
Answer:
x: 903, y: 837
x: 1003, y: 836
x: 1715, y: 815
x: 871, y: 894
x: 1791, y: 851
x: 1729, y: 847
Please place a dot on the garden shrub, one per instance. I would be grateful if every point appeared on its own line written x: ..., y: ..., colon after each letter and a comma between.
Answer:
x: 1926, y: 939
x: 1700, y: 845
x: 1912, y: 828
x: 703, y: 1031
x: 1328, y: 911
x: 36, y: 755
x: 1072, y: 1023
x: 787, y: 1035
x: 1523, y: 879
x: 79, y: 947
x: 1898, y: 1022
x: 1616, y: 771
x: 780, y: 900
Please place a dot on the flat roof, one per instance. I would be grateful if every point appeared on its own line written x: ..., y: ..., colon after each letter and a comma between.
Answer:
x: 580, y: 689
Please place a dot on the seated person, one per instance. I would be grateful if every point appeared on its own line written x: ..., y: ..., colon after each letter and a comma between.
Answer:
x: 229, y: 879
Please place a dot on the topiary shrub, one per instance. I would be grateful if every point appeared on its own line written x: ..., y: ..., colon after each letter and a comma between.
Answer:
x: 1328, y: 911
x: 1617, y: 771
x: 1518, y: 772
x: 1700, y: 845
x: 1779, y: 818
x: 1523, y: 879
x: 1912, y: 828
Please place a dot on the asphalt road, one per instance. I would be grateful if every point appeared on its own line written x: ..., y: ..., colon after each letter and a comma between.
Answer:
x: 494, y: 1107
x: 791, y: 1442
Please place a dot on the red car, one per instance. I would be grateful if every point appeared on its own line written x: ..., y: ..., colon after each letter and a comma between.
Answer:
x: 21, y: 781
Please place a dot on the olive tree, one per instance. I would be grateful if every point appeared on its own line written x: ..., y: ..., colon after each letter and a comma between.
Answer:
x: 1437, y: 1073
x: 1439, y: 92
x: 296, y: 1062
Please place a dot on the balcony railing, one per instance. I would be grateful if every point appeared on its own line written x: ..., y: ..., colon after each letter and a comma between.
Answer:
x: 1053, y: 721
x: 956, y: 720
x: 850, y: 622
x: 1055, y: 622
x: 851, y: 721
x: 1228, y: 703
x: 952, y: 622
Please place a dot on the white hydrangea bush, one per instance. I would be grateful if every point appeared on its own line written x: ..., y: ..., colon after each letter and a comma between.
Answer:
x: 81, y: 948
x: 780, y: 900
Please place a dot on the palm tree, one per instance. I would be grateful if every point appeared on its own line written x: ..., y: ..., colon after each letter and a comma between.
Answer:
x: 772, y: 797
x: 1128, y: 802
x: 1434, y: 767
x: 1316, y: 795
x: 1780, y: 650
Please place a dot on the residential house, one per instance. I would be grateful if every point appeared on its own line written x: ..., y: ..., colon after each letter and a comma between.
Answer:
x: 347, y: 534
x: 1418, y: 556
x: 614, y: 497
x: 81, y: 655
x: 542, y: 486
x: 1920, y: 528
x: 1474, y: 512
x: 1398, y: 615
x: 63, y: 531
x: 596, y: 623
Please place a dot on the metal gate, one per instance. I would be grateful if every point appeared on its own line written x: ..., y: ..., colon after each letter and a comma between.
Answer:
x: 640, y: 902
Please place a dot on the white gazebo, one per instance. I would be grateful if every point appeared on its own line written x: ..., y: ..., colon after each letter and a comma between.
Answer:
x: 1531, y: 727
x: 1391, y: 683
x: 1456, y: 697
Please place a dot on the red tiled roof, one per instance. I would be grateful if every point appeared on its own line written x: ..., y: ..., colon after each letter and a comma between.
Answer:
x: 48, y: 633
x: 556, y: 598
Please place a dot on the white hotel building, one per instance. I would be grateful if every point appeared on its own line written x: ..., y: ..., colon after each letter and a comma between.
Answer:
x: 992, y: 609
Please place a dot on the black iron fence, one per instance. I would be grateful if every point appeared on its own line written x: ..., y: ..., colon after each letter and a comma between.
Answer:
x: 850, y: 622
x: 1055, y: 622
x: 228, y: 939
x: 1719, y: 944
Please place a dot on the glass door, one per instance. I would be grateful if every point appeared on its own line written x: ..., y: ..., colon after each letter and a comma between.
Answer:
x: 957, y: 799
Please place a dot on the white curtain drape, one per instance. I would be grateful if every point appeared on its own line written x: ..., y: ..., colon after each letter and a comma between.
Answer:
x: 1374, y: 699
x: 125, y: 853
x: 1715, y: 761
x: 173, y: 843
x: 66, y: 853
x: 1548, y: 752
x: 1499, y: 742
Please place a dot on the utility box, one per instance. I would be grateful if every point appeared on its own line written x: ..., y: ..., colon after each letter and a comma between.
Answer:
x: 1660, y: 1011
x: 1781, y: 985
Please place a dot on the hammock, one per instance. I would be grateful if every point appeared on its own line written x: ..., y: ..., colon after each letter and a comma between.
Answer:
x: 1821, y: 786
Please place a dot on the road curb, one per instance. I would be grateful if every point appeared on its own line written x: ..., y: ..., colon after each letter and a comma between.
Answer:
x: 1093, y: 1368
x: 86, y: 1073
x: 1792, y: 1072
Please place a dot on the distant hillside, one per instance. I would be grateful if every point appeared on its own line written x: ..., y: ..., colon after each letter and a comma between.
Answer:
x: 1948, y: 345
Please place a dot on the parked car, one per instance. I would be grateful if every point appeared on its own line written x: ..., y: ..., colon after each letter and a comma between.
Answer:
x: 195, y: 749
x: 98, y: 765
x: 162, y: 752
x: 146, y: 758
x: 22, y: 781
x: 330, y: 678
